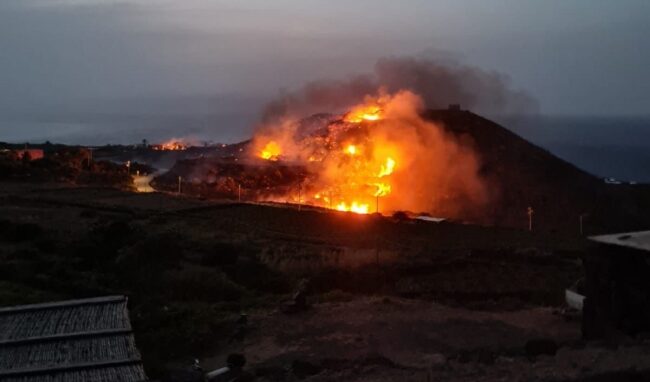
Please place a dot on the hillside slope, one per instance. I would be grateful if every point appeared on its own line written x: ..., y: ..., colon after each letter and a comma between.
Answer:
x: 517, y: 173
x: 521, y: 175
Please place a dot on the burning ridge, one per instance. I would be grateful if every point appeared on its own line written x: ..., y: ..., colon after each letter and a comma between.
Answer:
x: 380, y: 156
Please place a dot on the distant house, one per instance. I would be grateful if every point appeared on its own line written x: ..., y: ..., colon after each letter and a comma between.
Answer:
x: 611, y: 180
x: 77, y: 340
x: 617, y: 285
x: 31, y: 153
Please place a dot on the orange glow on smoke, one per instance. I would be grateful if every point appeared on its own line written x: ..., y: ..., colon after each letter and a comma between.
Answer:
x: 399, y: 161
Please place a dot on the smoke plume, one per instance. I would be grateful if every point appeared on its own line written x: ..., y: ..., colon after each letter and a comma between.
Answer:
x: 379, y: 150
x: 438, y: 83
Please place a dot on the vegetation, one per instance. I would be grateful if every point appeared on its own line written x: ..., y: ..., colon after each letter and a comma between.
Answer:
x: 68, y: 165
x: 180, y: 300
x: 191, y: 267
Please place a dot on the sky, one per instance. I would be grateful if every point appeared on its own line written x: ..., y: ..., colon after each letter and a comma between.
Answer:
x: 65, y: 65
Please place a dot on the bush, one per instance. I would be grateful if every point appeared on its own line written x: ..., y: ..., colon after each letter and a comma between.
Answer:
x: 142, y: 265
x: 88, y: 214
x: 19, y: 232
x: 115, y: 234
x: 47, y: 244
x: 160, y: 252
x: 224, y: 253
x: 336, y: 295
x: 202, y: 285
x: 171, y: 331
x: 254, y: 275
x: 100, y: 247
x: 400, y: 216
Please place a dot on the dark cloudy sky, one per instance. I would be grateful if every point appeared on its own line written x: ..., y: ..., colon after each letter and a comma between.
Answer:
x: 226, y: 58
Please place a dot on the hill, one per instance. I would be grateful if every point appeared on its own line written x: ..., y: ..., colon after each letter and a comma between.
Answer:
x: 524, y: 175
x: 518, y: 175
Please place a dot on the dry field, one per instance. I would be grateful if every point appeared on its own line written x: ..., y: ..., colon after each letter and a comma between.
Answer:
x: 390, y: 299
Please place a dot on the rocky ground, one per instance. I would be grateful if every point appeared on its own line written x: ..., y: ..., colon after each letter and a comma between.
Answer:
x: 390, y: 299
x: 389, y: 339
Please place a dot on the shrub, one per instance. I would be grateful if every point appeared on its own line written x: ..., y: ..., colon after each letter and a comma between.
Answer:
x: 19, y: 232
x: 202, y: 285
x: 142, y: 265
x: 400, y: 216
x: 224, y: 253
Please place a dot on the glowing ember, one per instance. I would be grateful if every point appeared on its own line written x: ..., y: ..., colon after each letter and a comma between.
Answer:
x: 271, y: 151
x: 351, y: 149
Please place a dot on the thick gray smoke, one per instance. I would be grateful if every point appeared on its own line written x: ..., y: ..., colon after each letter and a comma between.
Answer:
x: 437, y: 83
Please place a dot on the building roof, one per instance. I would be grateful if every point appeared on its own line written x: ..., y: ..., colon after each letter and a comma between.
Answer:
x: 76, y: 340
x: 636, y: 240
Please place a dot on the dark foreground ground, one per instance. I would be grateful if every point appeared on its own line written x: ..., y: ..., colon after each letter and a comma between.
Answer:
x: 390, y: 299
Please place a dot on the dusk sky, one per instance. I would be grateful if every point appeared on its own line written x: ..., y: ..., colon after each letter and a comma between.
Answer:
x: 56, y: 56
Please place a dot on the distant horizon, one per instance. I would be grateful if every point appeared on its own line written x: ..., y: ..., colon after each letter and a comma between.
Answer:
x: 568, y: 137
x: 247, y: 123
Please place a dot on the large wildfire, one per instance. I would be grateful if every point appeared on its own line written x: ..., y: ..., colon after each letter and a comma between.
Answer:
x: 380, y: 156
x: 382, y: 151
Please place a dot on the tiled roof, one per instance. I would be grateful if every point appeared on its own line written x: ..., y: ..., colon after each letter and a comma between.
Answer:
x: 77, y: 340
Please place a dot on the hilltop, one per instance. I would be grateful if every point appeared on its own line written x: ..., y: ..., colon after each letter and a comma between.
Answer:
x: 518, y: 175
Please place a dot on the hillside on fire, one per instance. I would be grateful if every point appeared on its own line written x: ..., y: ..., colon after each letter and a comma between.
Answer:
x: 489, y: 176
x: 320, y: 191
x: 390, y: 241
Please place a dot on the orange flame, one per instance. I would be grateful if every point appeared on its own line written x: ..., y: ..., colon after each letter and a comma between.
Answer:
x: 271, y: 151
x: 353, y: 207
x: 398, y: 162
x: 171, y: 145
x: 364, y: 113
x: 388, y: 168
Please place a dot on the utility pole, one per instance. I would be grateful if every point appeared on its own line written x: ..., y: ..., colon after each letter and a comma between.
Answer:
x: 239, y: 192
x: 530, y: 213
x: 180, y: 182
x: 90, y: 159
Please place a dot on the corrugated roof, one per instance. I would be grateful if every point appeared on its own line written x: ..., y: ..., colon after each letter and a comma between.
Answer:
x: 637, y: 240
x: 76, y: 340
